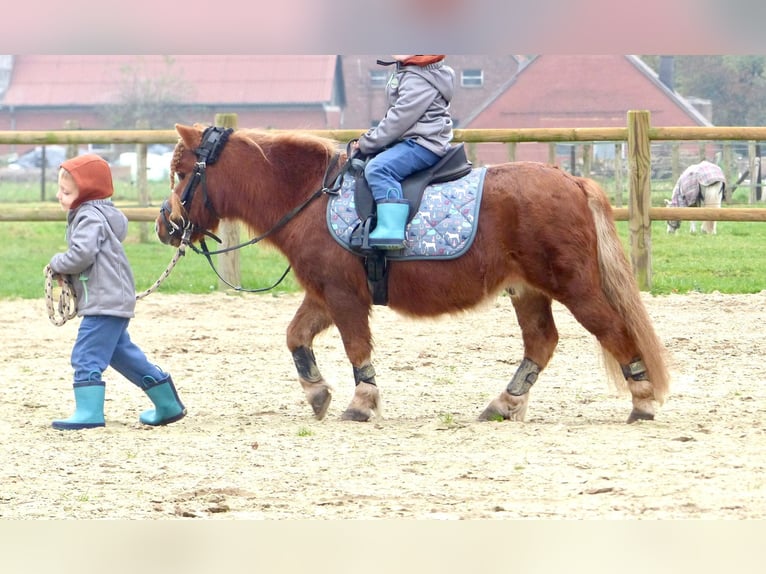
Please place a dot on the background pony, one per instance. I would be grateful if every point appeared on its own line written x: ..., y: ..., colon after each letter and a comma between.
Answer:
x: 700, y: 184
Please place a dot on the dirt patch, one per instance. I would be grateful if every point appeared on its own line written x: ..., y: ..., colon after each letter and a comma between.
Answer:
x: 250, y: 448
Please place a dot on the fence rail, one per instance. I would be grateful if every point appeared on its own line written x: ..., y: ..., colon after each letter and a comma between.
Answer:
x: 638, y: 134
x: 149, y: 214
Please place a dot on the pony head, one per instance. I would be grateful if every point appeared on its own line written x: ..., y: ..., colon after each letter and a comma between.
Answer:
x: 189, y: 210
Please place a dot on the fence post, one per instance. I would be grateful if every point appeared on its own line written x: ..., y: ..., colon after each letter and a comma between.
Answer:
x: 752, y: 169
x: 640, y: 197
x: 511, y: 151
x: 729, y: 171
x: 618, y: 174
x: 470, y: 152
x: 228, y: 263
x: 72, y: 149
x: 142, y: 181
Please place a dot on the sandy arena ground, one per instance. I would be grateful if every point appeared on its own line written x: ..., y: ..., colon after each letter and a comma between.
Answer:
x: 250, y: 448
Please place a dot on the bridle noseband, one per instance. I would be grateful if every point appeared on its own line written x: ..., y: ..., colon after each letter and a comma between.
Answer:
x: 213, y: 140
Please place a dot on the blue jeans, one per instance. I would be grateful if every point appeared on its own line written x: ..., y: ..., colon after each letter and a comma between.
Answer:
x: 385, y: 171
x: 103, y: 341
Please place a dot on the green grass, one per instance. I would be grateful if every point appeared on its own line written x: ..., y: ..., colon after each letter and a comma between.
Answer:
x: 734, y: 261
x: 28, y: 248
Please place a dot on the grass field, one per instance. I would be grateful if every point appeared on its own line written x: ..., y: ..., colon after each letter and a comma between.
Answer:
x: 733, y: 261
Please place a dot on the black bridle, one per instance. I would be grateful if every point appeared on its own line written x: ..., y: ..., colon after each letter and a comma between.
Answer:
x: 213, y: 140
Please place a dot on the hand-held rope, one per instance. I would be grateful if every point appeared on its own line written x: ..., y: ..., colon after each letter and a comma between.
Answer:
x: 66, y: 307
x: 67, y: 303
x: 180, y: 252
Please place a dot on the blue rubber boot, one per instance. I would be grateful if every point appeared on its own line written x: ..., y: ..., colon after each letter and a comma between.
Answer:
x: 89, y: 407
x: 167, y: 406
x: 392, y: 220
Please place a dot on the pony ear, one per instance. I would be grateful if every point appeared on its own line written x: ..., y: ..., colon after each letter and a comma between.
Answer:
x: 190, y: 135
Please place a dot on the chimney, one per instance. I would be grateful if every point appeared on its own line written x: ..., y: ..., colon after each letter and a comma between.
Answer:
x: 666, y: 71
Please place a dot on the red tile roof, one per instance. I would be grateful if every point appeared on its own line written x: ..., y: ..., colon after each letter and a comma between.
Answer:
x: 64, y: 80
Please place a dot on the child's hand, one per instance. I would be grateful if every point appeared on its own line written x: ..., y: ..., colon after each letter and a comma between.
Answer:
x: 57, y: 276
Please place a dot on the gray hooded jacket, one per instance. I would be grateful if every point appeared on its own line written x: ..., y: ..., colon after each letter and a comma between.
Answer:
x: 419, y: 100
x: 96, y: 261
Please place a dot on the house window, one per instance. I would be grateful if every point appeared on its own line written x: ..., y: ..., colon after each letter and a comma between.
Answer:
x: 378, y: 78
x: 472, y: 78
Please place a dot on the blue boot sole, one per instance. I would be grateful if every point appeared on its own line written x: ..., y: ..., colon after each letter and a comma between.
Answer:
x: 63, y: 425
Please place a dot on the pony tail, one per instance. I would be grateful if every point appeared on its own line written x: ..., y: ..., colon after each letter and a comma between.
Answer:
x: 621, y: 289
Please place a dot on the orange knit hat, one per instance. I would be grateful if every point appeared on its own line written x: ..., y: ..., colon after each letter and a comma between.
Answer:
x: 421, y: 60
x: 92, y: 175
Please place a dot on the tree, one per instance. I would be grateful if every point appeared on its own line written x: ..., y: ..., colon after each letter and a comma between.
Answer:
x: 157, y: 100
x: 735, y: 85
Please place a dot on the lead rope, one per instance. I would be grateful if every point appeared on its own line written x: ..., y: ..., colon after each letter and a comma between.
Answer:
x: 67, y: 303
x: 66, y: 307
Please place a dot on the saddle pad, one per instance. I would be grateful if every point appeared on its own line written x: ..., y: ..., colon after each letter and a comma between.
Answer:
x: 443, y: 228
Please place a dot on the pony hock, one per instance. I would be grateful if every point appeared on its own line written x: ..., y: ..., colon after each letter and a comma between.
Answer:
x: 542, y: 235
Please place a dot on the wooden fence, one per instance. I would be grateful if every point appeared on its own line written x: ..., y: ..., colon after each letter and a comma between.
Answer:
x: 638, y: 134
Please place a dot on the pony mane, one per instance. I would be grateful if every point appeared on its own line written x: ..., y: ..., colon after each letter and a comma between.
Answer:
x: 177, y: 152
x: 260, y: 138
x: 265, y: 138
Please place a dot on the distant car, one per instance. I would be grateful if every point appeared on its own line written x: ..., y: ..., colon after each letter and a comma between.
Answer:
x: 157, y: 165
x: 33, y: 159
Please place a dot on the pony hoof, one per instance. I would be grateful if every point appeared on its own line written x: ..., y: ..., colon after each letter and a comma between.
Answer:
x: 492, y: 413
x: 355, y: 415
x: 637, y: 415
x: 319, y: 399
x: 506, y: 407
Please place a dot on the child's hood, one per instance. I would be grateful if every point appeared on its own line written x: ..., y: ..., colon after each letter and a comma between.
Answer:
x: 93, y: 177
x: 439, y: 76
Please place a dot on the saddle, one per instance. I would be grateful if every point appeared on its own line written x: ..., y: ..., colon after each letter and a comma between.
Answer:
x: 453, y: 165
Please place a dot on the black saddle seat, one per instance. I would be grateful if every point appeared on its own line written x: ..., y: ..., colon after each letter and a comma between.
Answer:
x: 453, y: 165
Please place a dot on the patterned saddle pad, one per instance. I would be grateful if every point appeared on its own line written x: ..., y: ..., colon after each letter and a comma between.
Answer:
x: 443, y: 228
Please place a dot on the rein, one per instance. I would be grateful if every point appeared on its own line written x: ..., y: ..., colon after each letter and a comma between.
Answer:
x: 208, y: 153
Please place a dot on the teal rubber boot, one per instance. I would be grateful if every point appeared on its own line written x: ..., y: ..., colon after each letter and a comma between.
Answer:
x: 167, y: 406
x: 392, y: 220
x: 89, y: 407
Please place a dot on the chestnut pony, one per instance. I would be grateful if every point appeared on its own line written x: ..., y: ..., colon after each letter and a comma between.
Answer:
x: 542, y: 235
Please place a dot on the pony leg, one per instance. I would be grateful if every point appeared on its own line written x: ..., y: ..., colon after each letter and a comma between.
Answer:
x: 351, y: 316
x: 540, y: 336
x: 712, y: 196
x: 641, y: 389
x: 310, y: 319
x: 366, y: 401
x: 619, y: 346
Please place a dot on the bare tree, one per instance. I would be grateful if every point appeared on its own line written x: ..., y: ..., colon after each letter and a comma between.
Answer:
x: 155, y: 99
